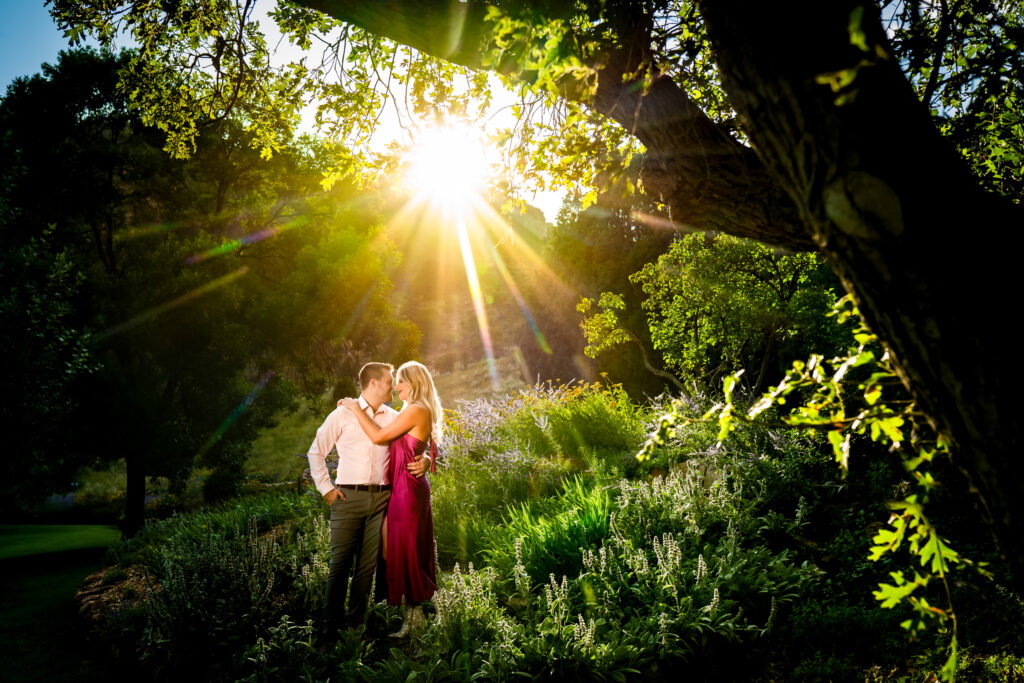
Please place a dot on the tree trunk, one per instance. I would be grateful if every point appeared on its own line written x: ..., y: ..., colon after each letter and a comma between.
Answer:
x: 890, y: 203
x: 135, y: 496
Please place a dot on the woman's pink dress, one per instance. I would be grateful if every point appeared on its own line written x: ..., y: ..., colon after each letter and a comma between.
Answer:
x: 410, y: 562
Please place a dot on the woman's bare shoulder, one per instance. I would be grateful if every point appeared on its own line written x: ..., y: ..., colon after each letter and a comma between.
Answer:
x: 415, y: 409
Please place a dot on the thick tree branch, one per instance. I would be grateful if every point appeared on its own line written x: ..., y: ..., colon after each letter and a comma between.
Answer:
x: 708, y: 180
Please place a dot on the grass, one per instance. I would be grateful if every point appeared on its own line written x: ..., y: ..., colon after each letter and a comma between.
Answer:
x: 36, y: 539
x: 42, y: 567
x: 272, y: 457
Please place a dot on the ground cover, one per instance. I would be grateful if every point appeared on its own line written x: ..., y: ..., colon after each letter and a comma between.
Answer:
x: 563, y: 557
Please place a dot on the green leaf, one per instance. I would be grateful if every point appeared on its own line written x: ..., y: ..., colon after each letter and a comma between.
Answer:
x: 892, y: 594
x: 856, y: 29
x: 841, y: 448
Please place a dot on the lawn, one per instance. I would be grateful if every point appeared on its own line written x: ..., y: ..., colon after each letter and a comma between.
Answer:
x: 17, y: 540
x: 42, y: 566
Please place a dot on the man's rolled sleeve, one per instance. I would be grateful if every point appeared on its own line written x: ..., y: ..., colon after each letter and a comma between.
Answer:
x: 326, y: 438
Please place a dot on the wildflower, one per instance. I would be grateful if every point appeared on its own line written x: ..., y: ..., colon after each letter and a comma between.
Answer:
x: 713, y: 606
x: 702, y: 570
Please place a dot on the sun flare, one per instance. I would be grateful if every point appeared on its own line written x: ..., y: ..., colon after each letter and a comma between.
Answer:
x: 447, y: 165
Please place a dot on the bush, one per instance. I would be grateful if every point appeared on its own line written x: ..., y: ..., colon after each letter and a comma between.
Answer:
x: 644, y: 595
x: 289, y: 652
x: 573, y: 419
x: 214, y: 588
x: 230, y: 519
x: 747, y: 558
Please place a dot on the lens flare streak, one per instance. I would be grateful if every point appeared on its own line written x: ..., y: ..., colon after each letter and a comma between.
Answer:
x: 234, y: 245
x: 147, y: 230
x: 173, y: 303
x: 517, y: 295
x: 235, y: 414
x: 659, y: 222
x: 478, y: 300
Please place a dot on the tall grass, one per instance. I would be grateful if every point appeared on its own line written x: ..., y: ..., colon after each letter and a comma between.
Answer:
x: 552, y: 542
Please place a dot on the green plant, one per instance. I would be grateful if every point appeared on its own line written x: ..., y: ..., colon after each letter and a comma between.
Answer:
x: 874, y: 411
x: 213, y: 588
x: 229, y: 518
x: 289, y: 652
x: 552, y: 542
x: 470, y: 619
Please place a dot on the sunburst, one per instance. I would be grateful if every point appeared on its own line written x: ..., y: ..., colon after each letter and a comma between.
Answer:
x: 448, y: 166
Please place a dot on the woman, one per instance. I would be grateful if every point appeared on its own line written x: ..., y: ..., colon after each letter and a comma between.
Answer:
x: 408, y: 533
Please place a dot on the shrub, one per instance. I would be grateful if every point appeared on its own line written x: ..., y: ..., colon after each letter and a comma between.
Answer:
x: 666, y: 582
x: 214, y: 589
x: 230, y: 519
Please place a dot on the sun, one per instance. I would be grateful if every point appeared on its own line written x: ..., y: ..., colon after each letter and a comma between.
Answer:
x: 447, y: 165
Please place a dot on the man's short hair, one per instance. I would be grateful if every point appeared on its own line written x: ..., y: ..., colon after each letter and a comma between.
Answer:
x: 373, y: 371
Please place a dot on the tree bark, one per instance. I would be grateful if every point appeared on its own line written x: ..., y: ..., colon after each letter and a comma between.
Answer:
x: 889, y: 202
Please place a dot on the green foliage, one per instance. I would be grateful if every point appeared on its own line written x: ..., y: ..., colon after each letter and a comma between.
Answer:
x: 642, y: 596
x: 505, y: 452
x: 892, y: 421
x: 227, y: 519
x: 289, y: 651
x: 595, y: 251
x: 602, y: 329
x: 211, y: 283
x: 46, y: 354
x: 747, y: 556
x: 211, y: 587
x: 573, y: 419
x: 720, y: 304
x: 964, y: 62
x: 1001, y: 668
x: 224, y: 576
x: 272, y: 457
x: 551, y: 542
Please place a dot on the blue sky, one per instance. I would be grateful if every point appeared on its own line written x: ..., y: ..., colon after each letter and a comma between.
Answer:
x: 28, y: 37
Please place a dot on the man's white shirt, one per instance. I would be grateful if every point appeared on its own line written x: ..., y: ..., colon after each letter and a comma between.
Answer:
x: 360, y: 461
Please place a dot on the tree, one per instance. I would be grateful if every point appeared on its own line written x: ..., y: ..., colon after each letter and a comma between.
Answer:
x: 214, y: 286
x: 718, y: 304
x: 44, y: 356
x: 597, y: 249
x: 843, y: 156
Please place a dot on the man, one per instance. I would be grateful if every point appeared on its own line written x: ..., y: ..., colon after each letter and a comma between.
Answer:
x: 359, y: 496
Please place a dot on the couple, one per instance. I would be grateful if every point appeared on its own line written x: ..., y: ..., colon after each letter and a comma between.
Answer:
x: 380, y: 499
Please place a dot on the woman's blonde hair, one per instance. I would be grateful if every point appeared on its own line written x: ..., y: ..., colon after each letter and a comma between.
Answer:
x: 423, y: 392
